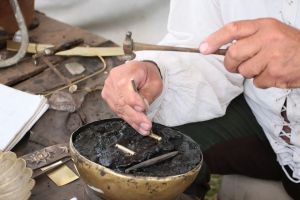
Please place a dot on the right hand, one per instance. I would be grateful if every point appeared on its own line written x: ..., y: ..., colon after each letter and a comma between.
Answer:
x: 266, y: 50
x: 124, y: 101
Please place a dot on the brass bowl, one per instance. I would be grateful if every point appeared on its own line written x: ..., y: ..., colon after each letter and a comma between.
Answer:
x: 15, y: 177
x: 112, y: 185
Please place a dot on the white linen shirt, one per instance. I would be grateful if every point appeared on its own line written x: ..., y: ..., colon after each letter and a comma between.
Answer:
x: 198, y: 87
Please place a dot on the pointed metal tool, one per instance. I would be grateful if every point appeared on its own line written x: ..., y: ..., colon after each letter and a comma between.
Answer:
x: 152, y: 135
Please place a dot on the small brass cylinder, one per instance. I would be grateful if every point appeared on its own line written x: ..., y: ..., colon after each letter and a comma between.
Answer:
x: 124, y: 149
x: 156, y: 137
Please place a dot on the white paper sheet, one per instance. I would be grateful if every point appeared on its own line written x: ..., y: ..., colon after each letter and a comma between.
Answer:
x: 18, y: 113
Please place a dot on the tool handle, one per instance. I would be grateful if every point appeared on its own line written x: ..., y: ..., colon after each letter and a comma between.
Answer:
x: 141, y: 46
x: 67, y: 45
x: 61, y: 47
x: 220, y: 52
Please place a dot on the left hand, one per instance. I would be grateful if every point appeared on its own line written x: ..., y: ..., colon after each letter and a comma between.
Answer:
x: 124, y: 101
x: 265, y: 49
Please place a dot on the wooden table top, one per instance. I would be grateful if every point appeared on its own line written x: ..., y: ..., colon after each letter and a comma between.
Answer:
x: 55, y: 127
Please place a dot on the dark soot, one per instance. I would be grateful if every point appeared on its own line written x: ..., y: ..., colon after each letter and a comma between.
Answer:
x: 97, y: 143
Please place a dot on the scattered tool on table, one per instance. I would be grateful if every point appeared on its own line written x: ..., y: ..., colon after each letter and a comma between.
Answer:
x: 46, y: 156
x: 52, y: 51
x: 152, y: 135
x: 51, y: 161
x: 129, y: 47
x: 62, y: 47
x: 38, y: 173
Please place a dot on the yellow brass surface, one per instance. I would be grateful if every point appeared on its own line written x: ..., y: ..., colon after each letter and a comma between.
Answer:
x: 62, y: 176
x: 156, y: 137
x: 81, y: 51
x: 111, y: 185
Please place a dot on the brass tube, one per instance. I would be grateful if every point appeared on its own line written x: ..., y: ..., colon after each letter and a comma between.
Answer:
x: 154, y: 136
x: 126, y: 150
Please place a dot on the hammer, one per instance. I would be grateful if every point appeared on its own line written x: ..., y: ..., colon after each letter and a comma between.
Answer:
x: 129, y: 46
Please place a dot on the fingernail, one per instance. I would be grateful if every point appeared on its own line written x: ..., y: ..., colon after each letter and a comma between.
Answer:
x: 143, y: 132
x: 145, y: 126
x: 203, y: 47
x: 138, y: 108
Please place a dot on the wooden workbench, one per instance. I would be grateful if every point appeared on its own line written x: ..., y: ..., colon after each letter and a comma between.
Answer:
x: 55, y: 127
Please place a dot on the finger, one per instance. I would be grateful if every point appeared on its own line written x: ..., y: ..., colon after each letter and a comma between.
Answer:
x: 275, y: 76
x: 113, y: 96
x: 151, y: 91
x: 253, y: 67
x: 264, y: 81
x: 120, y: 91
x: 129, y: 119
x: 149, y: 86
x: 228, y: 33
x: 153, y: 87
x: 137, y: 120
x: 108, y: 94
x: 130, y: 96
x: 241, y: 51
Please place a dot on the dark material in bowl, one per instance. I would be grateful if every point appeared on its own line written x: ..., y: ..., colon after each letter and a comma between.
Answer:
x: 97, y: 140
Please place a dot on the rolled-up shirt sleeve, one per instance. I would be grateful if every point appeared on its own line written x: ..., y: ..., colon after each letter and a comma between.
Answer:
x: 195, y: 87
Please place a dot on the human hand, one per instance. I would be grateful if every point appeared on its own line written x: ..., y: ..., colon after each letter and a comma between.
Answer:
x: 124, y: 101
x: 265, y: 49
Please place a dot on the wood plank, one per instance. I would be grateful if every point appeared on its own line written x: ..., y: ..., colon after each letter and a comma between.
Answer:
x: 48, y: 80
x: 56, y: 126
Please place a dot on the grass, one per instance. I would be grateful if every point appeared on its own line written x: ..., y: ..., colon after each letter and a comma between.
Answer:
x: 212, y: 194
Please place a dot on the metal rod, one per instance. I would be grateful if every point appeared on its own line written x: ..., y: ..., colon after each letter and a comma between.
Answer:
x: 152, y: 135
x: 57, y: 72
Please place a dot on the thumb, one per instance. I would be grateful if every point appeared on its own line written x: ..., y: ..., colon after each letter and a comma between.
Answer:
x: 153, y: 85
x: 151, y: 91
